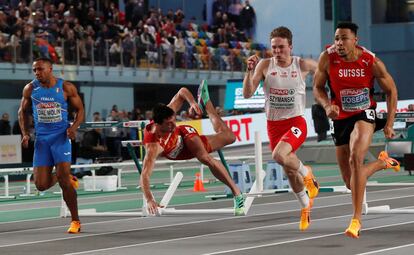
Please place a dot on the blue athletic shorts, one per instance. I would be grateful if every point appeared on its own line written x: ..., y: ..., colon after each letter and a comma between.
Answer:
x: 52, y: 149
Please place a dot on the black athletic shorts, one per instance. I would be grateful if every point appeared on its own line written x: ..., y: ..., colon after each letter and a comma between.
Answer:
x: 344, y: 127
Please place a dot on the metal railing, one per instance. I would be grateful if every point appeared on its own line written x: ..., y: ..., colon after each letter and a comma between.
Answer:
x: 128, y: 54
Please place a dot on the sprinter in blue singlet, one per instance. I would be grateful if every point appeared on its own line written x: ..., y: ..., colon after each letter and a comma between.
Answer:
x: 48, y: 97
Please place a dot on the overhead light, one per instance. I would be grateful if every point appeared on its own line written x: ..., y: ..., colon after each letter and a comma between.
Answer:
x: 409, y: 1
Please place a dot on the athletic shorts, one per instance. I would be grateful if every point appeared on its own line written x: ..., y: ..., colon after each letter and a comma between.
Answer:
x: 293, y: 131
x: 52, y: 149
x: 188, y: 132
x: 344, y: 127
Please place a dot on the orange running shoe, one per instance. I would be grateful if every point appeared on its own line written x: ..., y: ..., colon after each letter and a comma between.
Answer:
x: 74, y: 181
x: 75, y: 227
x: 305, y: 216
x: 390, y: 162
x: 312, y: 186
x: 354, y: 229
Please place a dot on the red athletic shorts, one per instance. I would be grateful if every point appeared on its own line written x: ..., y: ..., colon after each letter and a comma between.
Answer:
x: 293, y: 131
x: 188, y: 132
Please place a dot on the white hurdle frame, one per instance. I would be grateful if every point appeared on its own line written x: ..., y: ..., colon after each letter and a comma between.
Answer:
x: 164, y: 210
x: 259, y: 163
x: 384, y: 209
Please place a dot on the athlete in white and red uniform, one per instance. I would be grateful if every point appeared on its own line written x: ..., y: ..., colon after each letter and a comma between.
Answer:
x: 284, y: 88
x: 162, y: 137
x: 350, y: 71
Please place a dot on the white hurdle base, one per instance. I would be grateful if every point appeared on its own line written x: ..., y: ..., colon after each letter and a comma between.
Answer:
x: 173, y: 211
x: 386, y: 209
x: 94, y: 213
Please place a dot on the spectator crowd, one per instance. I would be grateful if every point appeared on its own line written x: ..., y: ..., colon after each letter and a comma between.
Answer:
x: 74, y: 32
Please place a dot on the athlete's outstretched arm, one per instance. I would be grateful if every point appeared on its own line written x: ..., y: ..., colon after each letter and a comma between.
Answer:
x: 254, y: 75
x: 152, y: 152
x: 319, y: 92
x: 24, y: 112
x: 76, y: 102
x: 387, y: 84
x: 184, y: 95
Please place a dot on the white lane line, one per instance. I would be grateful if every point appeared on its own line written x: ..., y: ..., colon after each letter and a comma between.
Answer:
x: 225, y: 218
x: 134, y: 199
x: 201, y: 236
x: 305, y: 239
x: 387, y: 249
x: 242, y: 230
x: 154, y: 227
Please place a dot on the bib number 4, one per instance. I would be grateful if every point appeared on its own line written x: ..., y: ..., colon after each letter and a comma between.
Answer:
x: 370, y: 113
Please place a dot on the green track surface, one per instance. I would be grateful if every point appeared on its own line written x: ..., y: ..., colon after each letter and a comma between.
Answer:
x: 130, y: 180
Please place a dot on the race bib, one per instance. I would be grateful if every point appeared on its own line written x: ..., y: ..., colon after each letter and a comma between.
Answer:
x: 296, y: 131
x: 282, y: 98
x: 370, y: 113
x: 50, y: 112
x: 355, y: 99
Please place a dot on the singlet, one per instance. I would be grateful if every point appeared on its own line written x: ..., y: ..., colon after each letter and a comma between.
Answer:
x: 351, y: 83
x: 284, y: 90
x: 50, y: 109
x: 172, y: 143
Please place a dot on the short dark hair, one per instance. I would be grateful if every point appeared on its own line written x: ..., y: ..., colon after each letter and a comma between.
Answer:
x: 349, y: 25
x: 162, y: 112
x: 48, y: 60
x: 282, y: 32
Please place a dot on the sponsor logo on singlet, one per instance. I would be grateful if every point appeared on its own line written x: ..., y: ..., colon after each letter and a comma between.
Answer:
x: 49, y: 112
x: 346, y: 73
x: 355, y: 99
x: 282, y: 98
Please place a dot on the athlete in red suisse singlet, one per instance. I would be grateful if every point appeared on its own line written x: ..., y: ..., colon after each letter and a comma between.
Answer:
x: 351, y: 83
x: 350, y: 71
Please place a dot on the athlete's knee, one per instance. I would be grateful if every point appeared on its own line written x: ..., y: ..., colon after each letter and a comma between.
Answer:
x: 41, y: 185
x: 64, y: 180
x: 279, y: 158
x: 356, y: 160
x: 230, y: 137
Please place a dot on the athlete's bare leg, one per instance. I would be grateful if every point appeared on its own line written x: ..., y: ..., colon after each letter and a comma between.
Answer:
x: 284, y: 156
x: 44, y: 178
x: 224, y: 136
x: 68, y: 191
x: 195, y: 145
x: 360, y: 141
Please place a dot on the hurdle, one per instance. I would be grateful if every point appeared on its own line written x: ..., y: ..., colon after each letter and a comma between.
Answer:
x: 163, y: 210
x: 384, y: 209
x: 261, y: 191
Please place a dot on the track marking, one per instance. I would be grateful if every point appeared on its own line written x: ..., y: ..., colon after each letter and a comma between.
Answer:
x: 304, y: 239
x: 387, y: 249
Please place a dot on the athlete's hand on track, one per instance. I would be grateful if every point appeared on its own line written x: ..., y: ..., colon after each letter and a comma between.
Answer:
x: 152, y: 207
x: 332, y: 111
